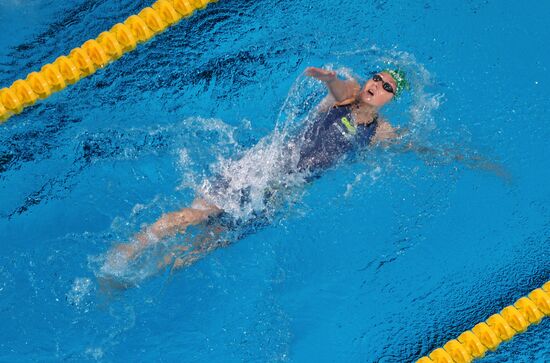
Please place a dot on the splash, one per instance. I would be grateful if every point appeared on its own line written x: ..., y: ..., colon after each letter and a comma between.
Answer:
x: 264, y: 179
x: 243, y: 187
x: 272, y: 162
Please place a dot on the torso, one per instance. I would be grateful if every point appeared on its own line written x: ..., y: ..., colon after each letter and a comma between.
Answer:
x: 332, y: 135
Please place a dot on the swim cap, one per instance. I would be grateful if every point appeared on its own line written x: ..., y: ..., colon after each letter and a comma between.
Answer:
x: 400, y: 80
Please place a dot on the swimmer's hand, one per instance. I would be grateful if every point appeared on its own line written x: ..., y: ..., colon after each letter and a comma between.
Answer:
x: 480, y: 162
x: 320, y: 74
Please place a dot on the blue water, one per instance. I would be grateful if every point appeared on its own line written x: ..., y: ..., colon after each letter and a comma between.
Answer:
x: 381, y: 260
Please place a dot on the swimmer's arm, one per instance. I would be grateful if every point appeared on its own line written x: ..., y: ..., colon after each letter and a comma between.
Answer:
x: 342, y: 90
x: 472, y: 161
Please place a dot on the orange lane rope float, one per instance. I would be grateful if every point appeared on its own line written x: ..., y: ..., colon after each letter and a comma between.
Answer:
x: 94, y: 54
x: 488, y: 335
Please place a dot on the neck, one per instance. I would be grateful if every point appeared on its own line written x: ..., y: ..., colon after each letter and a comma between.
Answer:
x: 363, y: 113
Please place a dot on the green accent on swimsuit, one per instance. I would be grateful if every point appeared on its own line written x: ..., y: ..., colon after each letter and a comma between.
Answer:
x: 348, y: 125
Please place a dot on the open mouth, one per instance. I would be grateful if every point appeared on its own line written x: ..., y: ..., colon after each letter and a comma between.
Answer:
x: 370, y: 92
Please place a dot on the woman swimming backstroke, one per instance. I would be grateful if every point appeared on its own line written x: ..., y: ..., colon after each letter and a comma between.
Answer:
x: 347, y: 119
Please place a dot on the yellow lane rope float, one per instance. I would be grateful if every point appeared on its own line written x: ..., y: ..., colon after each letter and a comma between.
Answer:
x: 94, y: 54
x: 488, y: 335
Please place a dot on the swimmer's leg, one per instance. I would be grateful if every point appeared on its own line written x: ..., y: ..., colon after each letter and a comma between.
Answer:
x: 168, y: 225
x: 183, y: 255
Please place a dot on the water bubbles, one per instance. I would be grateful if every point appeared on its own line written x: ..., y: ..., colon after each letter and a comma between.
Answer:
x: 183, y: 157
x: 80, y: 290
x: 94, y: 353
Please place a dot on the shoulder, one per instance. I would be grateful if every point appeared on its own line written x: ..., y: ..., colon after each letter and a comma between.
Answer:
x: 384, y: 131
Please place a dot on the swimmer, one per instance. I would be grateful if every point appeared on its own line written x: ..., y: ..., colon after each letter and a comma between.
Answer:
x: 348, y: 118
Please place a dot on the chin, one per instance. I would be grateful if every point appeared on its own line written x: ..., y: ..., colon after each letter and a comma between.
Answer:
x: 370, y: 102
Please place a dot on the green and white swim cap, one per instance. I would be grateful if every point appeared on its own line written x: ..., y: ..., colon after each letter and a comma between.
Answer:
x: 400, y: 80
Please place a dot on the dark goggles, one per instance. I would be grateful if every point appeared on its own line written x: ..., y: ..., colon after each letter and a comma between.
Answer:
x: 386, y: 86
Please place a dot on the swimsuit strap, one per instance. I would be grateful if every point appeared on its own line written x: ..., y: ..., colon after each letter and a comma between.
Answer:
x: 367, y: 131
x: 374, y: 122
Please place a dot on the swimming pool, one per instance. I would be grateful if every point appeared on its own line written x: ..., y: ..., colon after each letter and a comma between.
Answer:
x: 381, y: 260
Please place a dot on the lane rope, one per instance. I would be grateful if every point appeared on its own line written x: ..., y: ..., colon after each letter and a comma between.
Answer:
x: 124, y: 37
x: 94, y: 54
x: 487, y: 335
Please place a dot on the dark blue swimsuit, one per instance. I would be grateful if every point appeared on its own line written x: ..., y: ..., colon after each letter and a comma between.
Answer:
x: 330, y: 137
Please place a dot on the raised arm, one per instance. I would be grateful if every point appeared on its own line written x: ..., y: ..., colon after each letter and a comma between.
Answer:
x: 342, y: 91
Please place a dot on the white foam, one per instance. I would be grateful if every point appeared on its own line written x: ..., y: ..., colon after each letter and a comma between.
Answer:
x: 94, y: 353
x: 79, y: 291
x: 264, y: 167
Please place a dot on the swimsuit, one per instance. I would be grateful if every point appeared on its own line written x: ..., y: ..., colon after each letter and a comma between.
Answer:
x: 330, y: 137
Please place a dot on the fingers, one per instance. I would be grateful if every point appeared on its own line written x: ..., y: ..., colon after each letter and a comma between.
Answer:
x: 310, y: 71
x: 320, y: 74
x: 314, y: 71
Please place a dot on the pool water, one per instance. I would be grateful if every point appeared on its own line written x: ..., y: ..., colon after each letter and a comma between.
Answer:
x: 384, y: 258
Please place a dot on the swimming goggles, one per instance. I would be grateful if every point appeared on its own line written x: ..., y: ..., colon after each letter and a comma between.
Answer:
x: 386, y: 86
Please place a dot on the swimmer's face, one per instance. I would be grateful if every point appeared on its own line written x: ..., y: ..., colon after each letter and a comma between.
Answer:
x: 378, y: 90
